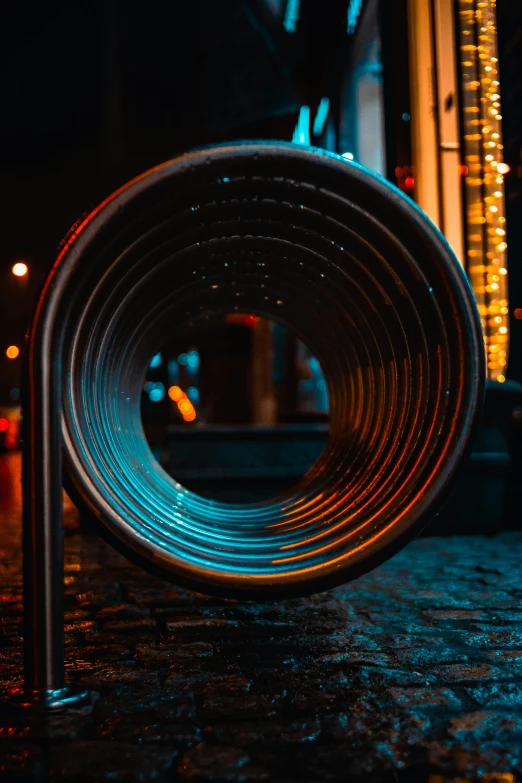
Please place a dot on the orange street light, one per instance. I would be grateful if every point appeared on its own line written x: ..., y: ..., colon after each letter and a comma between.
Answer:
x: 12, y: 352
x: 20, y: 269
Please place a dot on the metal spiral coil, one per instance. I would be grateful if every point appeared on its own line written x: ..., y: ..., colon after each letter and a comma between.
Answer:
x: 348, y: 263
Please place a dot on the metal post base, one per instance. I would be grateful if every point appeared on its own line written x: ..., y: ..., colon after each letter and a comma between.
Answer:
x: 45, y: 702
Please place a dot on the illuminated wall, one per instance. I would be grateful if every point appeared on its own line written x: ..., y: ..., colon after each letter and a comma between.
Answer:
x: 484, y: 169
x: 362, y: 126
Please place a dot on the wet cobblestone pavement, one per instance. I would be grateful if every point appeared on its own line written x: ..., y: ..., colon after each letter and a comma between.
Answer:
x: 412, y: 673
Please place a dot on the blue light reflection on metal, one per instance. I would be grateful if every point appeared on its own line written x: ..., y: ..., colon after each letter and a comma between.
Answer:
x: 155, y: 361
x: 313, y: 256
x: 328, y: 249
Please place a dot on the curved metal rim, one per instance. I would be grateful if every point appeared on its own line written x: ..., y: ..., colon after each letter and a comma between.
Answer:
x: 390, y: 542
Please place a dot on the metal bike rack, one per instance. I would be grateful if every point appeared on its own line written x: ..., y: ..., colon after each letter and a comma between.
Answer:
x: 290, y: 233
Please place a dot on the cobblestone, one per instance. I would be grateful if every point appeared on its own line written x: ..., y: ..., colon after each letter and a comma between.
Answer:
x: 412, y: 671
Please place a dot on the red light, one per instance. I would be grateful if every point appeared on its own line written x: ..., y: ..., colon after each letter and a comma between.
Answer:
x: 241, y: 320
x: 464, y: 171
x: 518, y: 313
x: 409, y: 183
x: 4, y: 425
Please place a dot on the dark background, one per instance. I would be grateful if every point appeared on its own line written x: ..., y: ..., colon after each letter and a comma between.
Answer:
x: 94, y: 94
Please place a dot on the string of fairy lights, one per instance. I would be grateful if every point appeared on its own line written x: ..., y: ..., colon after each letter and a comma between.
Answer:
x: 484, y: 171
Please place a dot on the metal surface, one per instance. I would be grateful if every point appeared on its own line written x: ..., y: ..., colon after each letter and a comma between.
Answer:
x: 301, y: 237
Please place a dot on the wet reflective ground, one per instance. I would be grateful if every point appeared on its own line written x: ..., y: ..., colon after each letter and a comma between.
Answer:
x: 411, y: 674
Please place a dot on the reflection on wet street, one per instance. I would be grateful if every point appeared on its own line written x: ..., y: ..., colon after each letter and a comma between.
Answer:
x: 412, y: 674
x: 11, y: 501
x: 10, y: 494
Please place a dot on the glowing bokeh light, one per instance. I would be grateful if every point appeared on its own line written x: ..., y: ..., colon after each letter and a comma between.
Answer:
x: 175, y: 393
x: 157, y: 393
x: 302, y: 129
x: 320, y: 117
x: 12, y: 352
x: 193, y: 394
x: 485, y: 167
x: 291, y: 16
x: 20, y: 269
x: 185, y: 406
x: 193, y: 359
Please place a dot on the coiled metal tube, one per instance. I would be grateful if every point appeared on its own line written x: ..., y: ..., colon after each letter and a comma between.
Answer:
x: 353, y: 267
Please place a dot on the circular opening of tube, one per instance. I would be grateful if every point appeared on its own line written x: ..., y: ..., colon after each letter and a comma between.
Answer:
x: 326, y: 249
x: 235, y: 407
